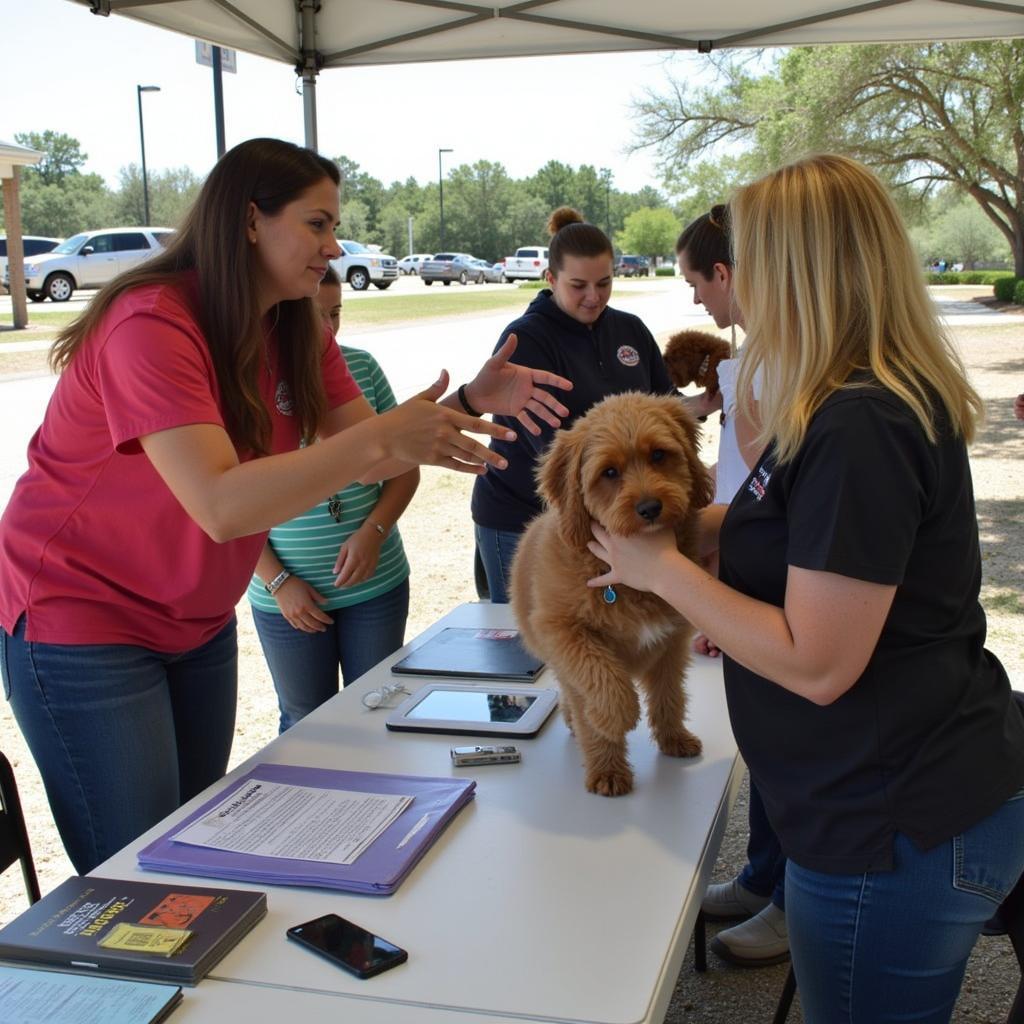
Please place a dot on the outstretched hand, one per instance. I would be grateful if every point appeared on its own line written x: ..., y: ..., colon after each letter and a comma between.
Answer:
x: 420, y: 432
x: 511, y: 390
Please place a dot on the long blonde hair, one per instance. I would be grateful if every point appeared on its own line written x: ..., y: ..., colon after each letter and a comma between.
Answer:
x: 829, y: 284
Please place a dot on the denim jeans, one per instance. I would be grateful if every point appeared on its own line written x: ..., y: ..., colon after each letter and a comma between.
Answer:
x: 304, y: 666
x: 765, y: 870
x: 496, y: 549
x: 893, y: 945
x: 122, y: 735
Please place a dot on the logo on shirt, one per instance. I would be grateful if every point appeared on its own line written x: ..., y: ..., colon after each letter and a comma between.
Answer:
x: 759, y: 482
x: 283, y: 399
x: 627, y: 355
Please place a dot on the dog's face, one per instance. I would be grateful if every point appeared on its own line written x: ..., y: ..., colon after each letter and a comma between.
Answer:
x: 630, y: 464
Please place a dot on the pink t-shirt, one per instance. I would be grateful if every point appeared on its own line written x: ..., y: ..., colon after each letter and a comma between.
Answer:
x: 94, y: 548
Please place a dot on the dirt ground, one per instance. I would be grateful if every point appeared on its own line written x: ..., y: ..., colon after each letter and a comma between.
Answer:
x: 438, y: 537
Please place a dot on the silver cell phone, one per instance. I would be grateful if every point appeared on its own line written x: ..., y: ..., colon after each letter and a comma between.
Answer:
x: 503, y: 754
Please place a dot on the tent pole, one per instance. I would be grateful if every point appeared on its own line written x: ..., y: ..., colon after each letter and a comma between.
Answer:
x: 310, y: 67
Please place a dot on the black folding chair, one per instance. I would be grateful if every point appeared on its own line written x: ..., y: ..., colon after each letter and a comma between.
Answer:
x: 14, y: 845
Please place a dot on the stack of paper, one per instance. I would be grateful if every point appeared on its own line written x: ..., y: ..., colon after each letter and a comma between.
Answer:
x: 289, y: 825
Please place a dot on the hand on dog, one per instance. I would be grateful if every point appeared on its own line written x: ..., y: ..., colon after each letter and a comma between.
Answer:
x: 632, y: 561
x: 511, y: 390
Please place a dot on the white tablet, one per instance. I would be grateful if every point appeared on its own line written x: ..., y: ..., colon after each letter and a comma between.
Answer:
x: 479, y: 710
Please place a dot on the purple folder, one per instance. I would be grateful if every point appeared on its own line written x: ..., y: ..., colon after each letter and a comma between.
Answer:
x: 378, y: 871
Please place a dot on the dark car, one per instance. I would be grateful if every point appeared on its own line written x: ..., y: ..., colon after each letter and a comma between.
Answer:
x: 451, y: 266
x: 632, y: 266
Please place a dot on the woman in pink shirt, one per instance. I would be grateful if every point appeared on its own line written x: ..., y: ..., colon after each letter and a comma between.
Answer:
x: 168, y: 450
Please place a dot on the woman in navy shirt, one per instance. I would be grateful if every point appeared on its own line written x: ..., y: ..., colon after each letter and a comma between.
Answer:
x: 880, y: 732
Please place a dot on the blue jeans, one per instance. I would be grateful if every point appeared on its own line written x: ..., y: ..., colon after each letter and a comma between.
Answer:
x: 893, y: 945
x: 304, y: 666
x: 765, y: 870
x: 122, y: 735
x: 496, y: 549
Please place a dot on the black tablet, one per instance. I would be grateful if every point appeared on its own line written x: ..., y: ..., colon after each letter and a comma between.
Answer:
x: 474, y: 653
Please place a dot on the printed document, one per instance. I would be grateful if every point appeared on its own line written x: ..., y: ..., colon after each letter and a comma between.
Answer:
x: 271, y: 819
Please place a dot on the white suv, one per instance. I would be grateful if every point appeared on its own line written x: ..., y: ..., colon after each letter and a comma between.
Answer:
x: 89, y: 260
x: 359, y: 265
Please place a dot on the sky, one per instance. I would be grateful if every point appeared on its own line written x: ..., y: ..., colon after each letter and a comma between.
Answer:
x: 67, y: 70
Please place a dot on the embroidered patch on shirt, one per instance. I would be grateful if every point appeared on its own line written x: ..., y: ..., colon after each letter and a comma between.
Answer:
x: 283, y: 399
x: 759, y: 482
x: 627, y: 355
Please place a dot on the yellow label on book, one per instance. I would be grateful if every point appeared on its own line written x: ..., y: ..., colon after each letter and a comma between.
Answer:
x: 140, y: 938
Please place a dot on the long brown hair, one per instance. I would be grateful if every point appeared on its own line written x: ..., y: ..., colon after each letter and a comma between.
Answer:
x: 213, y: 243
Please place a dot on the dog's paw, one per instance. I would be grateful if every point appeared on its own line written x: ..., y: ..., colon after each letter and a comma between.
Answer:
x: 681, y: 744
x: 610, y: 783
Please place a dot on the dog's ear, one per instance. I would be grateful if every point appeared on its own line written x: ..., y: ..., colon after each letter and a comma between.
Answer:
x: 702, y: 488
x: 560, y: 484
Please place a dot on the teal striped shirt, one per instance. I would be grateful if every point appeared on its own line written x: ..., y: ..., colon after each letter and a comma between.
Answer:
x: 308, y: 545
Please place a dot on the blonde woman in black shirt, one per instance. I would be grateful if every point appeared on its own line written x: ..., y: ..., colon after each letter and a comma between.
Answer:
x: 880, y: 732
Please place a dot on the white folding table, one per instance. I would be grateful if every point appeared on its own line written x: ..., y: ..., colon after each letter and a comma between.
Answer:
x: 540, y: 901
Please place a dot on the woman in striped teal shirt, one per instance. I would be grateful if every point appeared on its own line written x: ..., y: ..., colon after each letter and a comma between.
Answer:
x: 332, y: 585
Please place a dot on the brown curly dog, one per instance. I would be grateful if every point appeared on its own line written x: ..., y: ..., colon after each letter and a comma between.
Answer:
x: 630, y: 464
x: 693, y: 357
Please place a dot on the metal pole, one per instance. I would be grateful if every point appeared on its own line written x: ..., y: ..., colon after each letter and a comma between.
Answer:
x: 142, y: 144
x: 440, y: 188
x: 309, y: 69
x: 218, y: 101
x: 410, y: 236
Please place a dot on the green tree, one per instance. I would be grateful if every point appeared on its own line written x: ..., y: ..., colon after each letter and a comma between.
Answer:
x: 63, y: 156
x: 352, y: 221
x: 358, y: 186
x: 171, y: 193
x: 394, y: 229
x: 923, y: 116
x: 650, y: 233
x: 961, y: 233
x: 476, y: 205
x: 81, y: 202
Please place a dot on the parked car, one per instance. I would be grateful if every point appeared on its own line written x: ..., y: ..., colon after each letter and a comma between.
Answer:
x: 494, y: 273
x: 89, y: 260
x: 451, y: 266
x: 632, y: 266
x: 359, y: 265
x: 33, y: 245
x: 528, y: 264
x: 411, y: 264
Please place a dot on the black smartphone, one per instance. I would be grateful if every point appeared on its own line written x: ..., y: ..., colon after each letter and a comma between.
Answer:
x: 346, y: 944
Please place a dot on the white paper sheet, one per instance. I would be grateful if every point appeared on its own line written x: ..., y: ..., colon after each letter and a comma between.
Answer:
x: 270, y: 819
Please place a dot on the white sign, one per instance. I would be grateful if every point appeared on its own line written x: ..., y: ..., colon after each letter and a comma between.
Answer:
x: 204, y: 55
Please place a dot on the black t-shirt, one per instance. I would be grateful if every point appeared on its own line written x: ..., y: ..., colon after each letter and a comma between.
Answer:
x: 928, y: 741
x: 617, y: 354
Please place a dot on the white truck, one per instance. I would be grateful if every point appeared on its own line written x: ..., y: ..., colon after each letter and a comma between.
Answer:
x: 359, y: 266
x: 528, y: 264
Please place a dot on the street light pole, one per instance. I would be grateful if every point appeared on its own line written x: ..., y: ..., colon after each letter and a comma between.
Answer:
x: 140, y: 89
x: 440, y: 188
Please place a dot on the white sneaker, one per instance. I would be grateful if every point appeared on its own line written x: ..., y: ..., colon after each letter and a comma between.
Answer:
x: 759, y: 942
x: 730, y: 901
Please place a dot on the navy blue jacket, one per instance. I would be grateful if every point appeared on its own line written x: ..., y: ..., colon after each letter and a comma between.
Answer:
x: 618, y: 353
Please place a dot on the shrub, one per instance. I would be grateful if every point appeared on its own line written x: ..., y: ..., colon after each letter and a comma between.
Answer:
x: 1004, y: 288
x: 664, y: 271
x: 1018, y: 292
x: 967, y: 276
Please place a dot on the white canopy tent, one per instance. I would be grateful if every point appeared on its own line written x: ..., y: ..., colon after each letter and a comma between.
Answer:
x: 317, y: 34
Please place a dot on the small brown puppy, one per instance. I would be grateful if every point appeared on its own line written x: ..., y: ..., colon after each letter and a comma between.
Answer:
x: 693, y: 357
x: 630, y: 464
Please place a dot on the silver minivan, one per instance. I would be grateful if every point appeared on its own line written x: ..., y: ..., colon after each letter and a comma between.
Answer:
x: 89, y: 260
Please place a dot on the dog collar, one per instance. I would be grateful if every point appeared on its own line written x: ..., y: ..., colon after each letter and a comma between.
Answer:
x: 610, y: 597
